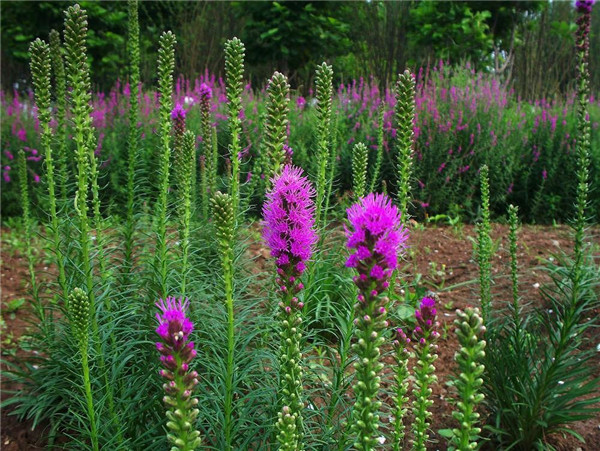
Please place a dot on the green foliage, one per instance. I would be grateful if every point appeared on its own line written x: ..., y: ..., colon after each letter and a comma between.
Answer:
x: 94, y: 376
x: 289, y: 34
x: 434, y: 24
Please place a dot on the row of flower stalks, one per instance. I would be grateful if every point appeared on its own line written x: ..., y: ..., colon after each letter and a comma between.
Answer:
x: 376, y: 238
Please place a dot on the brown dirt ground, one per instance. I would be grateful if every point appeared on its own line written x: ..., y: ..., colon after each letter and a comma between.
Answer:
x: 431, y: 245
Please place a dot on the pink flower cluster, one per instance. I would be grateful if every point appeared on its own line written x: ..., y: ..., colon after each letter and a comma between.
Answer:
x: 289, y: 225
x: 178, y: 113
x: 401, y: 342
x: 377, y: 236
x: 205, y: 92
x: 174, y: 328
x: 426, y: 321
x: 584, y: 6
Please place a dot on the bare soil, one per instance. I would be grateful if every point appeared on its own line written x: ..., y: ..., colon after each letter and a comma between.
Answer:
x: 443, y: 255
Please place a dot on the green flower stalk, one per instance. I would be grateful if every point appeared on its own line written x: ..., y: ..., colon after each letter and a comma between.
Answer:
x: 204, y: 186
x: 484, y: 246
x: 25, y: 206
x: 79, y: 311
x: 276, y: 124
x: 78, y: 80
x: 234, y: 71
x: 401, y: 356
x: 333, y: 157
x: 176, y: 354
x: 98, y: 220
x: 178, y: 161
x: 166, y: 66
x: 470, y: 330
x: 405, y: 117
x: 58, y: 67
x: 80, y: 102
x: 40, y: 73
x: 324, y: 95
x: 133, y: 49
x: 583, y: 144
x: 379, y: 156
x: 375, y: 234
x: 186, y: 185
x: 513, y: 222
x: 224, y: 217
x: 425, y: 335
x: 360, y: 160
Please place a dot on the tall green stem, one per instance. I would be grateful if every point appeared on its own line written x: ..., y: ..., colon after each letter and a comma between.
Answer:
x: 78, y: 78
x: 58, y: 67
x: 324, y: 94
x: 25, y: 205
x: 186, y: 186
x: 166, y: 66
x: 379, y: 157
x: 405, y: 115
x: 40, y: 71
x: 79, y: 317
x: 484, y: 246
x: 133, y: 44
x: 224, y: 217
x: 234, y: 70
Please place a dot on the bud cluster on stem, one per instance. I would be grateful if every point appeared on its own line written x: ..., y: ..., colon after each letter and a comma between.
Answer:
x: 425, y: 335
x: 176, y: 354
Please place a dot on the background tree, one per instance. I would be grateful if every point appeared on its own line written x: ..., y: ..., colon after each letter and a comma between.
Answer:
x: 510, y: 39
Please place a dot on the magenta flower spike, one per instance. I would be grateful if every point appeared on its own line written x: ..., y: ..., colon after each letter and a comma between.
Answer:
x: 289, y: 232
x: 289, y: 225
x: 376, y: 236
x: 426, y: 320
x: 176, y: 354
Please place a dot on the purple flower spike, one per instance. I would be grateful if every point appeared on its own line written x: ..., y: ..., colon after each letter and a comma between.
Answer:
x: 178, y: 113
x: 289, y: 224
x: 377, y: 236
x: 205, y: 92
x: 426, y: 318
x: 584, y: 6
x: 173, y: 325
x: 176, y: 353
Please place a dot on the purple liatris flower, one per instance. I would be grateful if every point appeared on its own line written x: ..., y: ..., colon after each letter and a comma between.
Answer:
x: 289, y: 224
x: 426, y: 320
x: 376, y: 235
x: 174, y: 328
x: 205, y: 92
x: 178, y: 113
x: 584, y: 6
